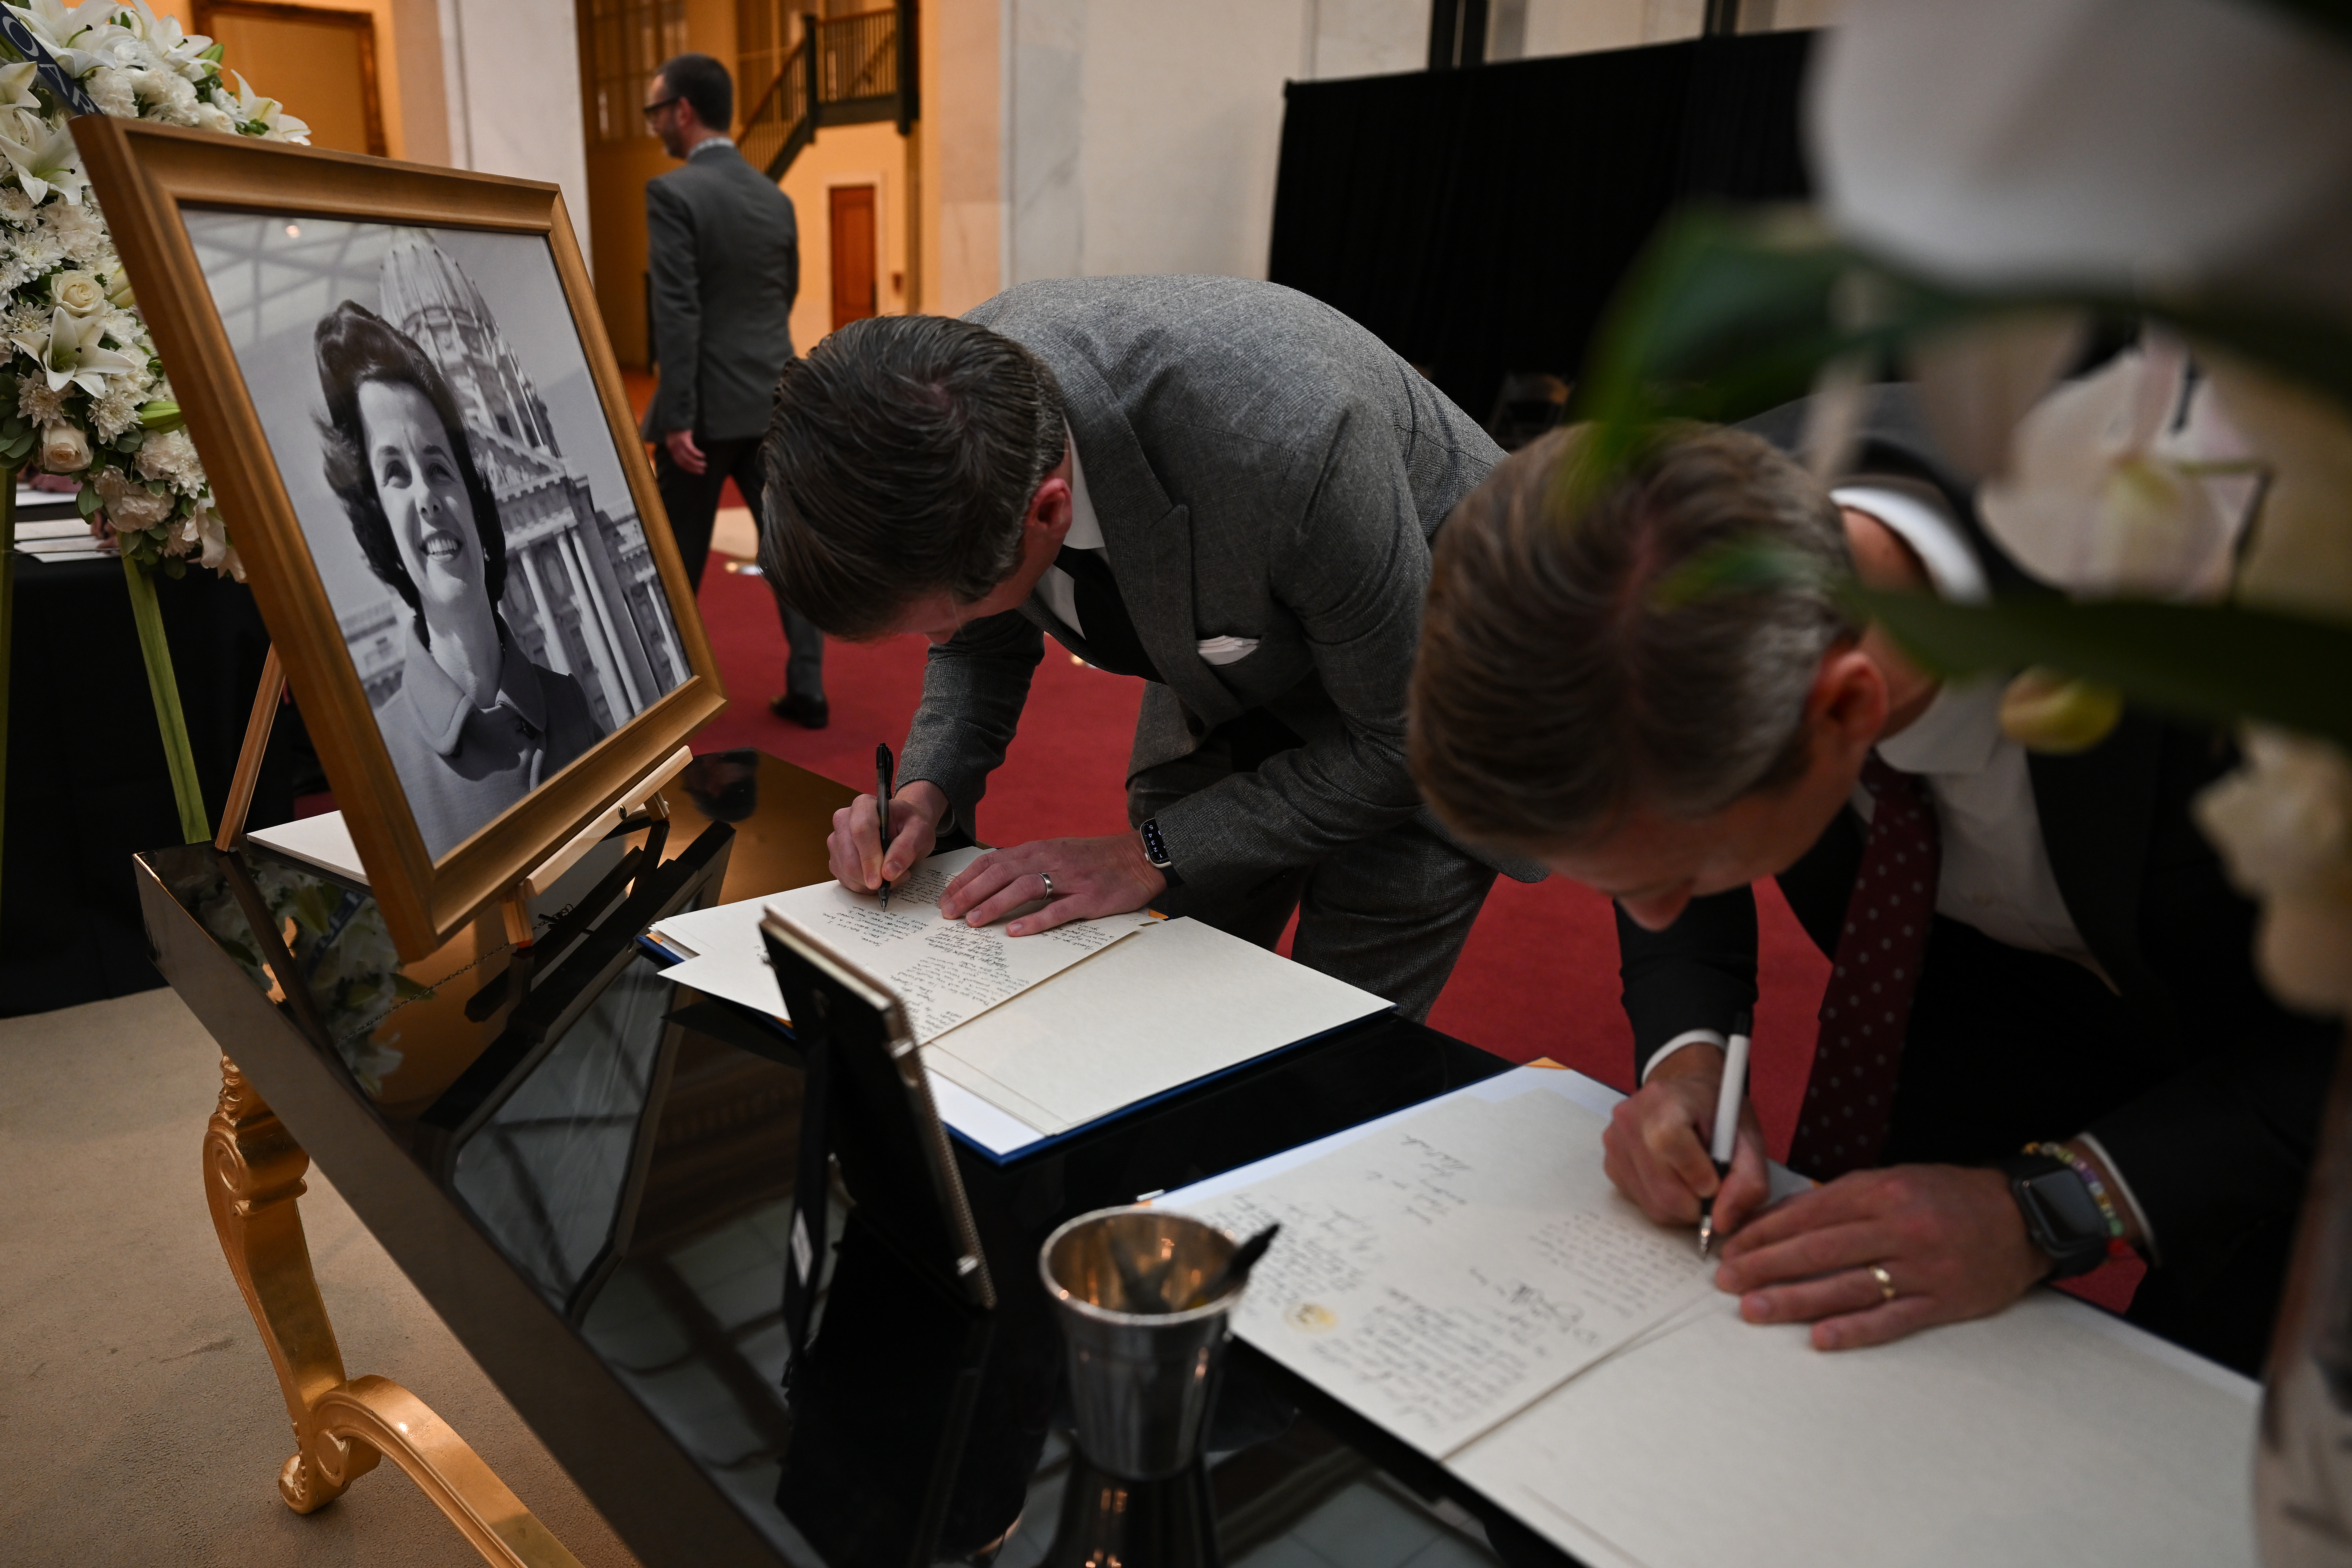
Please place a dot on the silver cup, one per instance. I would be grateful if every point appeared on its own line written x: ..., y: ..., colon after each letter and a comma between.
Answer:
x: 1141, y: 1380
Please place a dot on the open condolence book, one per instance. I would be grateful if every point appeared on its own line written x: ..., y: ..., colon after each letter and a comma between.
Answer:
x: 1030, y: 1038
x: 1461, y: 1273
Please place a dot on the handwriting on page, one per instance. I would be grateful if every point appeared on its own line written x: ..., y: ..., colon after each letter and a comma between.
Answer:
x: 943, y: 972
x: 1444, y: 1272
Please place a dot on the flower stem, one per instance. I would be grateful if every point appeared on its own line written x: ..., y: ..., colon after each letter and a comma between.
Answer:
x: 195, y: 828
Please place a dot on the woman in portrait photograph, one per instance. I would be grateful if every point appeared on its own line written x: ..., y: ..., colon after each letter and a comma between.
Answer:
x: 476, y: 725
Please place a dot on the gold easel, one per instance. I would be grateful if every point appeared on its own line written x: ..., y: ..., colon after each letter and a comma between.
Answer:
x: 253, y: 1177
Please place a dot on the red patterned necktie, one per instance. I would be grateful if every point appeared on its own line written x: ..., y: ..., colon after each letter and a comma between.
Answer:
x: 1851, y: 1095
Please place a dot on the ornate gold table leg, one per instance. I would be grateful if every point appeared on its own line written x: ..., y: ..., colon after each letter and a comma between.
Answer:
x: 253, y: 1174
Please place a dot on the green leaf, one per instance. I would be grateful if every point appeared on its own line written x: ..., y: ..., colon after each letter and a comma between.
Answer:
x: 218, y: 52
x: 86, y: 502
x: 129, y: 440
x: 2216, y: 662
x: 1729, y: 314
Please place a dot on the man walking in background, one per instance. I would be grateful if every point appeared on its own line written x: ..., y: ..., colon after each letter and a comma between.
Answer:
x: 724, y: 253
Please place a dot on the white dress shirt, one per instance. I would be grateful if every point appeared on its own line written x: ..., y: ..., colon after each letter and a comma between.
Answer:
x: 1061, y: 595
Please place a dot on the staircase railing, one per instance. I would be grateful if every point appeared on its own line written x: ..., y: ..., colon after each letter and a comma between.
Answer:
x: 844, y: 69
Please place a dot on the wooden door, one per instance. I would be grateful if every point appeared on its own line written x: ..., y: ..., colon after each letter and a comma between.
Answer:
x: 319, y: 61
x: 855, y: 290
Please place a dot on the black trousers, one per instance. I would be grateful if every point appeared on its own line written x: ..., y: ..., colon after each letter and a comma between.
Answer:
x: 692, y: 502
x: 2007, y: 1046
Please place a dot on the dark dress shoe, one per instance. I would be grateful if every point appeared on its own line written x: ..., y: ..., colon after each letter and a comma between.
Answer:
x: 808, y: 712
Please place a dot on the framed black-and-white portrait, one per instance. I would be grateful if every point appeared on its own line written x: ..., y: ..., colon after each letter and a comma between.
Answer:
x: 405, y: 399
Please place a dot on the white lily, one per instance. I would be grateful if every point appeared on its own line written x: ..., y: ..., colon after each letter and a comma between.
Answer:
x: 251, y: 106
x: 2122, y: 144
x: 2105, y: 494
x: 69, y: 353
x: 16, y: 86
x: 56, y: 26
x: 45, y: 159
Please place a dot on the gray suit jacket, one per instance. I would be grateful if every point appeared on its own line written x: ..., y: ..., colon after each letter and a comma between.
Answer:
x: 1262, y: 468
x: 725, y: 257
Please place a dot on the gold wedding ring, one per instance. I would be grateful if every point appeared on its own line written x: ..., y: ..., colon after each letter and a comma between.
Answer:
x: 1885, y: 1282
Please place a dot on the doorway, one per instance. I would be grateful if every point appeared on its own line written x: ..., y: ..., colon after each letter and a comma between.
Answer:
x: 856, y: 289
x: 324, y: 58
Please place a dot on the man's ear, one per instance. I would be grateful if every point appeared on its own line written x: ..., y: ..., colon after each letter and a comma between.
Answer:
x: 1847, y: 707
x: 1047, y: 522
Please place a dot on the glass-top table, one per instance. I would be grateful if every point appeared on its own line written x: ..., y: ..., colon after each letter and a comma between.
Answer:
x: 588, y: 1171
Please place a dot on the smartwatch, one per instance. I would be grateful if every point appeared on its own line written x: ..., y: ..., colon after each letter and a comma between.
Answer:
x: 2060, y: 1214
x: 1156, y: 852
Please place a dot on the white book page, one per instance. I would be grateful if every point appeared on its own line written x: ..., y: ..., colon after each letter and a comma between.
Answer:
x: 324, y: 840
x: 943, y: 972
x: 1175, y: 1001
x: 2046, y: 1432
x: 1444, y: 1272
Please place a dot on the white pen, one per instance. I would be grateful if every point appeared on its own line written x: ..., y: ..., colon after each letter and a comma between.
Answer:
x: 1727, y: 1120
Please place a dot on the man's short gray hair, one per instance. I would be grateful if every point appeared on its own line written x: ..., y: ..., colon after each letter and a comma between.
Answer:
x: 901, y: 455
x: 1569, y: 672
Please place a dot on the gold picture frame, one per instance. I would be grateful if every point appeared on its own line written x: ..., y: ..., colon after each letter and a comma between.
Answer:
x: 154, y: 180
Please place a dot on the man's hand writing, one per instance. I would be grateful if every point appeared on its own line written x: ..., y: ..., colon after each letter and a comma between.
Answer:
x: 1951, y: 1240
x: 1655, y: 1146
x: 854, y: 846
x: 1091, y: 878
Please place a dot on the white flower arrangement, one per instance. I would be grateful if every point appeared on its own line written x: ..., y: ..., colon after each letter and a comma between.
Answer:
x: 83, y: 394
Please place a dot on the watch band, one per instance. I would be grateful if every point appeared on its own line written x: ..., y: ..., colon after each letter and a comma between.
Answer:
x: 1154, y: 850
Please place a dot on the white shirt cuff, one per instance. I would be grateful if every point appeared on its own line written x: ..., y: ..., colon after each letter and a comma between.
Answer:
x: 1688, y: 1037
x: 2122, y: 1192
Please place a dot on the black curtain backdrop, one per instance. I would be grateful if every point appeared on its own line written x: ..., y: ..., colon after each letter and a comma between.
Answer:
x: 1479, y: 220
x: 87, y: 785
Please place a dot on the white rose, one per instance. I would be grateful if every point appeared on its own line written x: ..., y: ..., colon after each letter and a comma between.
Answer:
x: 64, y: 449
x: 209, y: 117
x: 77, y: 292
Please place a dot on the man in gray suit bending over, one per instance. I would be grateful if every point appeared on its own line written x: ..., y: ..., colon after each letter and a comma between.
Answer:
x: 726, y: 263
x: 1225, y: 487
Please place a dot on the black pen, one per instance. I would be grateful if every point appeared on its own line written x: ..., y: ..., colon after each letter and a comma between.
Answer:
x: 883, y: 768
x: 1727, y: 1120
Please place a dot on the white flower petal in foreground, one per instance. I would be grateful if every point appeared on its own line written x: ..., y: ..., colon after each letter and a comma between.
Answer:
x: 2283, y: 825
x: 2120, y: 143
x: 2105, y: 495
